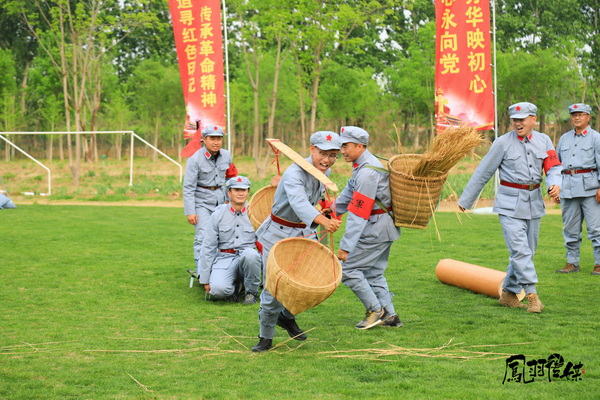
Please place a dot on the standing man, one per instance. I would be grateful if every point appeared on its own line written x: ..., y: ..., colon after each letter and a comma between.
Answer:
x: 520, y: 156
x: 203, y: 184
x: 370, y: 230
x: 579, y: 152
x: 294, y: 215
x: 228, y: 250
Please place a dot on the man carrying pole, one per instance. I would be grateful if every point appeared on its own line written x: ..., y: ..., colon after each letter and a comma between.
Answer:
x: 294, y: 215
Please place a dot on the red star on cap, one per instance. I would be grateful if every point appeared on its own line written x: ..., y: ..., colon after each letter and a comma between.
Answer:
x: 216, y: 128
x: 575, y: 106
x: 239, y: 179
x: 518, y: 108
x: 328, y: 138
x: 342, y: 130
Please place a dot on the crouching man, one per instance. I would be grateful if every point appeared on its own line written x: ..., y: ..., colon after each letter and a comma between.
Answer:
x: 229, y: 254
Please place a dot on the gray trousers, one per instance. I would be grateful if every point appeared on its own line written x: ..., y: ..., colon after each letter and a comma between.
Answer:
x: 203, y: 216
x: 363, y: 273
x: 230, y: 268
x: 521, y: 237
x: 269, y: 234
x: 574, y: 211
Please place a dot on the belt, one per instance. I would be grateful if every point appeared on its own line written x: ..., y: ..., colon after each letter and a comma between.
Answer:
x: 577, y: 171
x: 210, y: 187
x: 285, y: 222
x: 380, y: 211
x: 231, y: 251
x: 530, y: 186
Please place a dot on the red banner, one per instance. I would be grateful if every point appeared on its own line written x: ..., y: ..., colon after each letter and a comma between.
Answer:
x: 463, y: 71
x: 199, y: 43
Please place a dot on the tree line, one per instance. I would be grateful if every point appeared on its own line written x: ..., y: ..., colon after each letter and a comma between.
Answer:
x: 296, y: 66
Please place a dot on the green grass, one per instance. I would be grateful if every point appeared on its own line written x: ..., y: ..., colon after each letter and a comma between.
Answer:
x: 76, y: 280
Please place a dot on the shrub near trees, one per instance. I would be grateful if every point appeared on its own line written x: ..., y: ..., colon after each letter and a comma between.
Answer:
x: 295, y: 66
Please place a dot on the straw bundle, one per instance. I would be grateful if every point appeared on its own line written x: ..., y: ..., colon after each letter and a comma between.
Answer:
x: 416, y: 180
x: 301, y: 273
x: 260, y: 205
x: 447, y: 148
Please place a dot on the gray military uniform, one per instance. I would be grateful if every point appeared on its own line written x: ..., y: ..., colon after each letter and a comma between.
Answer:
x: 5, y: 202
x: 368, y: 240
x: 295, y: 198
x: 202, y: 174
x: 518, y: 161
x: 578, y: 190
x: 228, y: 253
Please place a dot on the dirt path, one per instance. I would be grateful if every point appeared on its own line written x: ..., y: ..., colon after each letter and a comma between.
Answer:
x: 444, y: 206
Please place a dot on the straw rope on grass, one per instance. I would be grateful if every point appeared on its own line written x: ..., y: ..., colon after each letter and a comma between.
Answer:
x: 448, y: 350
x: 446, y: 150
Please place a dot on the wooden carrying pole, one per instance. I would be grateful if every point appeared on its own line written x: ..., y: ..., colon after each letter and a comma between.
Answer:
x: 472, y: 277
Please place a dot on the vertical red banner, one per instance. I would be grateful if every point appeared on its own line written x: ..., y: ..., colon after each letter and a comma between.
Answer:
x: 463, y: 70
x: 199, y: 43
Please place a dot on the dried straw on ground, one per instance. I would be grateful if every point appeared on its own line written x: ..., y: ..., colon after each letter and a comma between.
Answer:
x: 447, y: 149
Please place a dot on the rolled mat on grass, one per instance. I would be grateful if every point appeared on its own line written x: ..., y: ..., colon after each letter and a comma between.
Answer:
x: 302, y: 273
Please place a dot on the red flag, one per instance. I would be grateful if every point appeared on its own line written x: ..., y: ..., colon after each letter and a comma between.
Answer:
x: 463, y: 71
x: 199, y: 43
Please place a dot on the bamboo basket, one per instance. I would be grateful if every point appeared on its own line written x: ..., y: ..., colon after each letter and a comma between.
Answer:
x: 302, y: 273
x: 260, y: 205
x: 414, y: 198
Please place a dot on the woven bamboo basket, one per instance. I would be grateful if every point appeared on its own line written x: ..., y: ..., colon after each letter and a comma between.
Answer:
x: 260, y: 205
x: 414, y: 198
x: 302, y: 273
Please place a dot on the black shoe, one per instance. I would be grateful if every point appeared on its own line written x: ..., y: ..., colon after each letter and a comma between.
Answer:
x: 250, y: 298
x: 262, y: 345
x: 292, y: 328
x: 392, y: 321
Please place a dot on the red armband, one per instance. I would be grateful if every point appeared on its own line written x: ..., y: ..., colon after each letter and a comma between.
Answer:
x: 231, y: 171
x: 361, y: 205
x: 550, y: 161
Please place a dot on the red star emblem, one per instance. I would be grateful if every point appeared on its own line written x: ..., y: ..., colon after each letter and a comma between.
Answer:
x: 518, y: 108
x: 575, y: 106
x: 216, y: 128
x: 328, y: 138
x: 342, y: 130
x: 239, y: 179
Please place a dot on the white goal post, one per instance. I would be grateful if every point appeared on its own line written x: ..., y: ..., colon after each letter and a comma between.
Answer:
x: 131, y: 150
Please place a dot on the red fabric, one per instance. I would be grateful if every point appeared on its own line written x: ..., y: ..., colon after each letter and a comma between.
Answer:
x: 193, y: 145
x: 259, y: 247
x: 231, y: 172
x: 361, y: 205
x: 463, y: 67
x: 327, y: 204
x: 550, y: 161
x: 199, y: 43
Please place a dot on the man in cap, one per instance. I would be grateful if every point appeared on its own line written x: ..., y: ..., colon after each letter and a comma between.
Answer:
x: 370, y: 230
x: 228, y: 251
x: 520, y: 156
x: 203, y: 184
x: 579, y: 153
x: 294, y: 215
x: 5, y: 202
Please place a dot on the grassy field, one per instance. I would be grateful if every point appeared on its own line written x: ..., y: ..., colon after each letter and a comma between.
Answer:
x: 95, y: 305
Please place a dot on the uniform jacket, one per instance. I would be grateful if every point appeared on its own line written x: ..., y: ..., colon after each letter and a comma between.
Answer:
x: 226, y: 229
x: 580, y: 152
x: 203, y: 170
x: 367, y: 189
x: 518, y: 161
